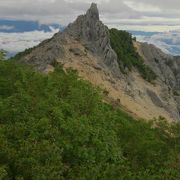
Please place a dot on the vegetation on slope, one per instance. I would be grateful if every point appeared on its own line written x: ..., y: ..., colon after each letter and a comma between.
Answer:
x: 122, y: 43
x: 57, y: 127
x: 22, y: 54
x: 2, y: 55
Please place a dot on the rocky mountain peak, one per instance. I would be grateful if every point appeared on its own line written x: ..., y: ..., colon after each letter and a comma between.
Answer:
x: 86, y: 27
x: 87, y: 30
x: 94, y: 35
x: 93, y: 12
x: 85, y: 45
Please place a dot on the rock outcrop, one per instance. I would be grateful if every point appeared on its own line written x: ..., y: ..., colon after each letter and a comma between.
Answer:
x: 87, y: 29
x: 95, y: 36
x: 167, y: 68
x: 85, y: 46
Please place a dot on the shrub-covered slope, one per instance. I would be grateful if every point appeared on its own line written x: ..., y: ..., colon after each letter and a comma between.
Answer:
x: 122, y: 43
x: 57, y: 127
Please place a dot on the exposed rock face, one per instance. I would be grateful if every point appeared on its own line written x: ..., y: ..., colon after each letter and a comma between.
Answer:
x: 159, y: 62
x: 155, y: 99
x: 94, y: 36
x: 167, y: 68
x: 46, y: 53
x: 85, y: 46
x: 88, y: 29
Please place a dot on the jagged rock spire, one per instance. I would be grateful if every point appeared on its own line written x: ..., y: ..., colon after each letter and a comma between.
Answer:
x: 95, y: 36
x: 89, y: 31
x: 85, y: 26
x: 88, y: 27
x: 93, y: 12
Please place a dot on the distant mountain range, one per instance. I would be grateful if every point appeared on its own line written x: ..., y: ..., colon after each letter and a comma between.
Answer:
x: 17, y: 26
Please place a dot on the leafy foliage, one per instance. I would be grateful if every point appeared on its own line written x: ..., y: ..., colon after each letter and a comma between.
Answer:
x: 57, y: 127
x: 122, y: 43
x: 2, y: 55
x: 22, y: 54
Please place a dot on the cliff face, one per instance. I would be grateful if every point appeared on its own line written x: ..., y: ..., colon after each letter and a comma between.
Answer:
x: 167, y: 69
x: 85, y: 46
x: 88, y: 30
x: 95, y: 36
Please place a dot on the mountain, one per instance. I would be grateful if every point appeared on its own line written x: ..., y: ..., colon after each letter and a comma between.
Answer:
x: 56, y: 125
x: 136, y: 76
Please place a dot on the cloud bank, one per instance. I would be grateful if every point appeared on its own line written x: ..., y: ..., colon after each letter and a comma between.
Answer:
x: 17, y: 42
x: 169, y: 42
x: 113, y: 12
x: 145, y: 15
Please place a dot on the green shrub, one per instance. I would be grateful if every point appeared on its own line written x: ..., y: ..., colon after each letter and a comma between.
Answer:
x: 2, y: 55
x: 22, y: 54
x: 57, y: 127
x: 122, y: 43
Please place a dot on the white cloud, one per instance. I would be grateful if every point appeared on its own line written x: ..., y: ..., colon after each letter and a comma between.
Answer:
x: 87, y: 1
x: 145, y: 15
x: 142, y: 7
x: 145, y: 27
x: 5, y: 27
x: 65, y: 11
x: 17, y: 42
x: 169, y: 42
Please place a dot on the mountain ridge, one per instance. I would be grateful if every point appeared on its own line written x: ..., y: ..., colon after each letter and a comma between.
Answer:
x: 85, y: 46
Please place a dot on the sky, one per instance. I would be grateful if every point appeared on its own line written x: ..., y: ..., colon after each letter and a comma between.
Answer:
x: 146, y: 15
x: 159, y: 16
x: 17, y: 42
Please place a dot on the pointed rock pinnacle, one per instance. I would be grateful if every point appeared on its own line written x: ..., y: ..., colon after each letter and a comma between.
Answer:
x: 93, y: 12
